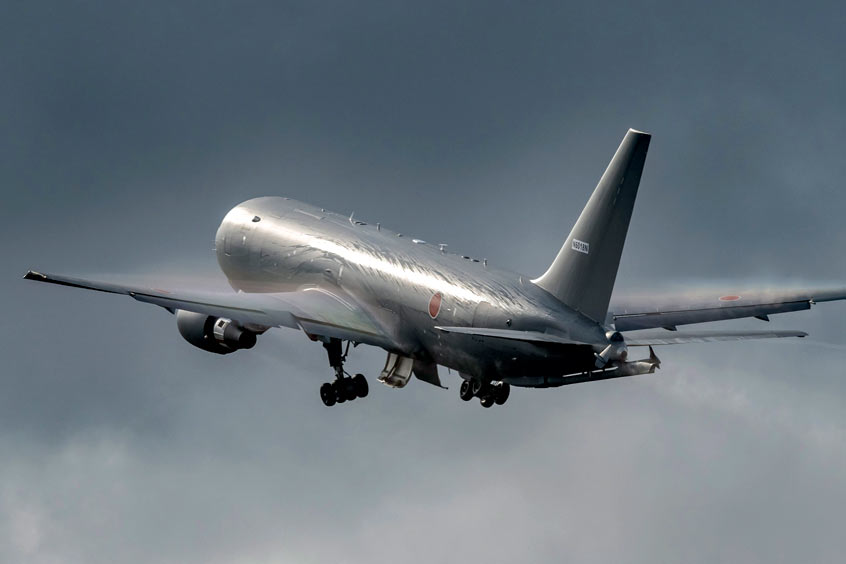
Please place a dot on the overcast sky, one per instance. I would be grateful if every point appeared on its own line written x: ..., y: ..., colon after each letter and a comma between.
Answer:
x: 129, y: 129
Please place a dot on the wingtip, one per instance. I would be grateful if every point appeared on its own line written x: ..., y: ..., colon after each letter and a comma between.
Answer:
x: 33, y: 275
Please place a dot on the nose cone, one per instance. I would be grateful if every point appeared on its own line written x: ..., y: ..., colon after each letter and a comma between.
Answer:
x: 232, y: 242
x: 238, y: 239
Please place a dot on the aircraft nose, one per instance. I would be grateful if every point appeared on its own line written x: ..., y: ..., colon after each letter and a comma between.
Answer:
x: 231, y: 237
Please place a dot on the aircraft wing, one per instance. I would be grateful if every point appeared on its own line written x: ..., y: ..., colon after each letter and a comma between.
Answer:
x: 646, y: 312
x: 314, y: 310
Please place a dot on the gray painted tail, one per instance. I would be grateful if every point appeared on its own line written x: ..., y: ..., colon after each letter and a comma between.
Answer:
x: 582, y: 275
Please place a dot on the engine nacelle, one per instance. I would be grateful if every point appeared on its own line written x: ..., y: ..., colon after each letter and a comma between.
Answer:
x: 213, y: 334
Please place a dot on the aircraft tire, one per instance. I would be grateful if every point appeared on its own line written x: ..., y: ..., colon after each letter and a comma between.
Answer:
x: 327, y: 394
x: 360, y: 384
x: 502, y: 393
x: 338, y: 388
x: 486, y: 401
x: 465, y: 392
x: 348, y: 387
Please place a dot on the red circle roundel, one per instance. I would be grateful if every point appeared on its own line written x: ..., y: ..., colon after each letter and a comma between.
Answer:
x: 729, y: 298
x: 435, y: 305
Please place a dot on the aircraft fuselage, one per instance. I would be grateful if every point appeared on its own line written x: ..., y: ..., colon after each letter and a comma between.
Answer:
x: 409, y: 286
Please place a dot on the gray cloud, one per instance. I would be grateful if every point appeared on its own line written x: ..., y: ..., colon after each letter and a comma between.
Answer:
x: 131, y: 129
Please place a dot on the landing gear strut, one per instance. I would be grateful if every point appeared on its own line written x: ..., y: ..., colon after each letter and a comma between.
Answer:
x: 488, y: 393
x: 345, y: 387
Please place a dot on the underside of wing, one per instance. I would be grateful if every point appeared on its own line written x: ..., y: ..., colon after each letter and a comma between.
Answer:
x: 646, y: 312
x: 316, y: 311
x: 649, y: 338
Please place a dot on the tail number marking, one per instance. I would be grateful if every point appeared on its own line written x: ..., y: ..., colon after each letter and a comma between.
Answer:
x: 581, y: 246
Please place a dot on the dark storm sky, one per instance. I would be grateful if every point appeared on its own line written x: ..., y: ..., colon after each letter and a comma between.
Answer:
x: 129, y: 129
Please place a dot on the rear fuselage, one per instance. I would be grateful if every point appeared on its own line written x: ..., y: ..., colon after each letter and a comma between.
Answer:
x: 409, y: 286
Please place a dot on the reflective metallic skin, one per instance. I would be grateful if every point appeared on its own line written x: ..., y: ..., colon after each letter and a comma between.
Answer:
x: 271, y: 245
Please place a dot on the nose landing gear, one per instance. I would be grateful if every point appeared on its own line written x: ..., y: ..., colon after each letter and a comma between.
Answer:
x: 488, y: 393
x: 345, y: 387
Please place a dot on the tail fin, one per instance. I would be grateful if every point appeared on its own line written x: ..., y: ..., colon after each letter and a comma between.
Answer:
x: 582, y: 275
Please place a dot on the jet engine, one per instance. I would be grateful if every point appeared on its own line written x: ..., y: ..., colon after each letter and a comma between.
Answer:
x: 214, y: 334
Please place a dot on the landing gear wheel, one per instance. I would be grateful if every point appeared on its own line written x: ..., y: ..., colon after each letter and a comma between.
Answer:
x: 465, y: 392
x: 349, y: 389
x: 338, y: 388
x: 360, y: 385
x: 478, y: 387
x: 344, y: 388
x: 502, y: 393
x: 487, y: 401
x: 327, y: 394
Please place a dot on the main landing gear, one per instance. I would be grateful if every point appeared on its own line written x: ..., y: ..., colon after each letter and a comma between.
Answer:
x: 345, y: 387
x: 488, y: 393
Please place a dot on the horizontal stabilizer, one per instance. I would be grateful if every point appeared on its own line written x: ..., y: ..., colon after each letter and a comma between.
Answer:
x: 633, y: 339
x: 526, y: 336
x: 647, y: 338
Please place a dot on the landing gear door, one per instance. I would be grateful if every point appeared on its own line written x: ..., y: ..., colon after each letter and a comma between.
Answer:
x: 397, y: 371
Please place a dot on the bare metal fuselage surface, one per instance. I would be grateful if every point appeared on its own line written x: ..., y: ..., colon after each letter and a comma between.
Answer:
x: 408, y: 287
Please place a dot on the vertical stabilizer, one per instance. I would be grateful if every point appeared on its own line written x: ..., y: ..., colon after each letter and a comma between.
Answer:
x: 582, y: 275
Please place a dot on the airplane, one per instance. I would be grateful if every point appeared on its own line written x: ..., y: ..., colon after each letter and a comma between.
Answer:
x: 344, y: 281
